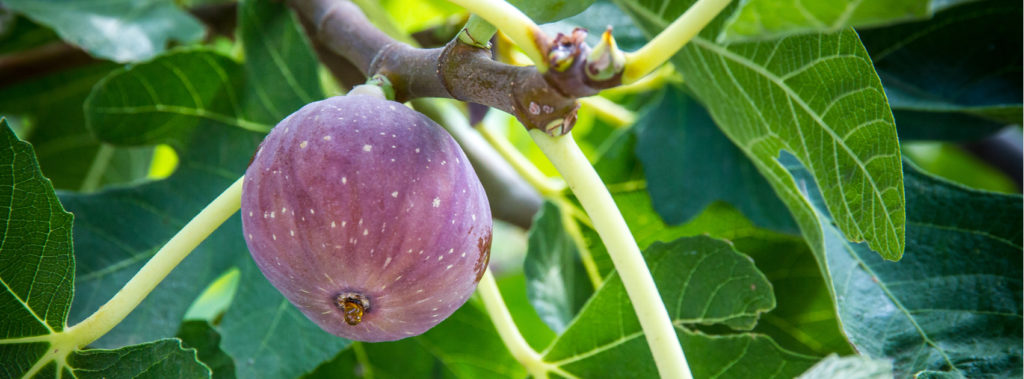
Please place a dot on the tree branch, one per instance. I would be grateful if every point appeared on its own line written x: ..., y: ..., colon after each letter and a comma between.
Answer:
x: 458, y: 71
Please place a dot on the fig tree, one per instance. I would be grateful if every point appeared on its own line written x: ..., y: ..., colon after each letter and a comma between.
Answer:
x: 367, y: 216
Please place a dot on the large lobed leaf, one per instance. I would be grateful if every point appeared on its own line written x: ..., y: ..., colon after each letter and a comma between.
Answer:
x: 816, y: 96
x: 953, y: 303
x: 118, y: 30
x: 37, y: 274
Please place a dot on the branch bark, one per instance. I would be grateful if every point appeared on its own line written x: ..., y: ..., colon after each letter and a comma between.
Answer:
x: 458, y: 71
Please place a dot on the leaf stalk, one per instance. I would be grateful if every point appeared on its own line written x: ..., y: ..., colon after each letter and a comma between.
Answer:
x: 157, y: 268
x: 629, y: 262
x: 671, y: 40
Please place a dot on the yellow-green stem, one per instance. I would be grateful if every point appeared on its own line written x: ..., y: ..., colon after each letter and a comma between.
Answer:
x: 507, y: 330
x: 653, y: 81
x: 629, y: 263
x: 573, y: 229
x: 669, y: 41
x: 609, y: 111
x: 511, y: 21
x: 543, y: 184
x: 154, y: 271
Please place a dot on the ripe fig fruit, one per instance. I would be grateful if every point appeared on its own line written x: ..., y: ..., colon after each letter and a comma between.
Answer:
x: 367, y: 216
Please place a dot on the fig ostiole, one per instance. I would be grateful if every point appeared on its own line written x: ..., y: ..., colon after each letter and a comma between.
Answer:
x: 367, y: 216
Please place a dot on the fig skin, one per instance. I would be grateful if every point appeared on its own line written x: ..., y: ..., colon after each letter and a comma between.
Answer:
x: 360, y: 197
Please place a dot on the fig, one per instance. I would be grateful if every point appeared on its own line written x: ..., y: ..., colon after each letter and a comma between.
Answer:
x: 367, y: 216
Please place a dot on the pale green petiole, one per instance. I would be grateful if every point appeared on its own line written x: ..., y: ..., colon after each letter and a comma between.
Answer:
x: 151, y: 274
x: 509, y: 333
x: 629, y: 263
x: 669, y: 41
x: 526, y: 169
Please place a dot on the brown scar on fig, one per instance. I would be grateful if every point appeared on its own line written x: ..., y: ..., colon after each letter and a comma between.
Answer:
x: 484, y: 246
x: 255, y: 153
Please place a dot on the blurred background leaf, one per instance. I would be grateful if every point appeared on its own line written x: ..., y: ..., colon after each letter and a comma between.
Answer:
x: 956, y: 76
x: 118, y: 30
x: 48, y: 110
x: 689, y: 164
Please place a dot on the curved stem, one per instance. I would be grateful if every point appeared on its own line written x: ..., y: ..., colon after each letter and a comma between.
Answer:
x: 664, y: 75
x: 609, y: 224
x: 610, y: 111
x: 542, y: 183
x: 507, y: 330
x: 574, y: 232
x: 669, y: 41
x: 511, y: 21
x: 161, y: 264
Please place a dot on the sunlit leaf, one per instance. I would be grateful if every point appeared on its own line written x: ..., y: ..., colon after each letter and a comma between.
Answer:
x: 816, y: 96
x: 153, y: 100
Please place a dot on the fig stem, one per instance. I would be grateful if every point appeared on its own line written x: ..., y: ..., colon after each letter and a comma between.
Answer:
x: 477, y: 32
x: 567, y: 157
x: 509, y: 333
x: 156, y: 269
x: 511, y: 21
x: 671, y: 39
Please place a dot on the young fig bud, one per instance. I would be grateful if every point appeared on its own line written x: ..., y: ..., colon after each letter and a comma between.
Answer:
x: 605, y: 60
x: 367, y: 216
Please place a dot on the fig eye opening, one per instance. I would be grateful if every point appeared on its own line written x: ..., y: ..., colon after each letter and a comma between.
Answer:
x: 353, y: 306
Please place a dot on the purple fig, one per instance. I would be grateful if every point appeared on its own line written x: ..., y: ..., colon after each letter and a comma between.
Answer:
x: 367, y: 216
